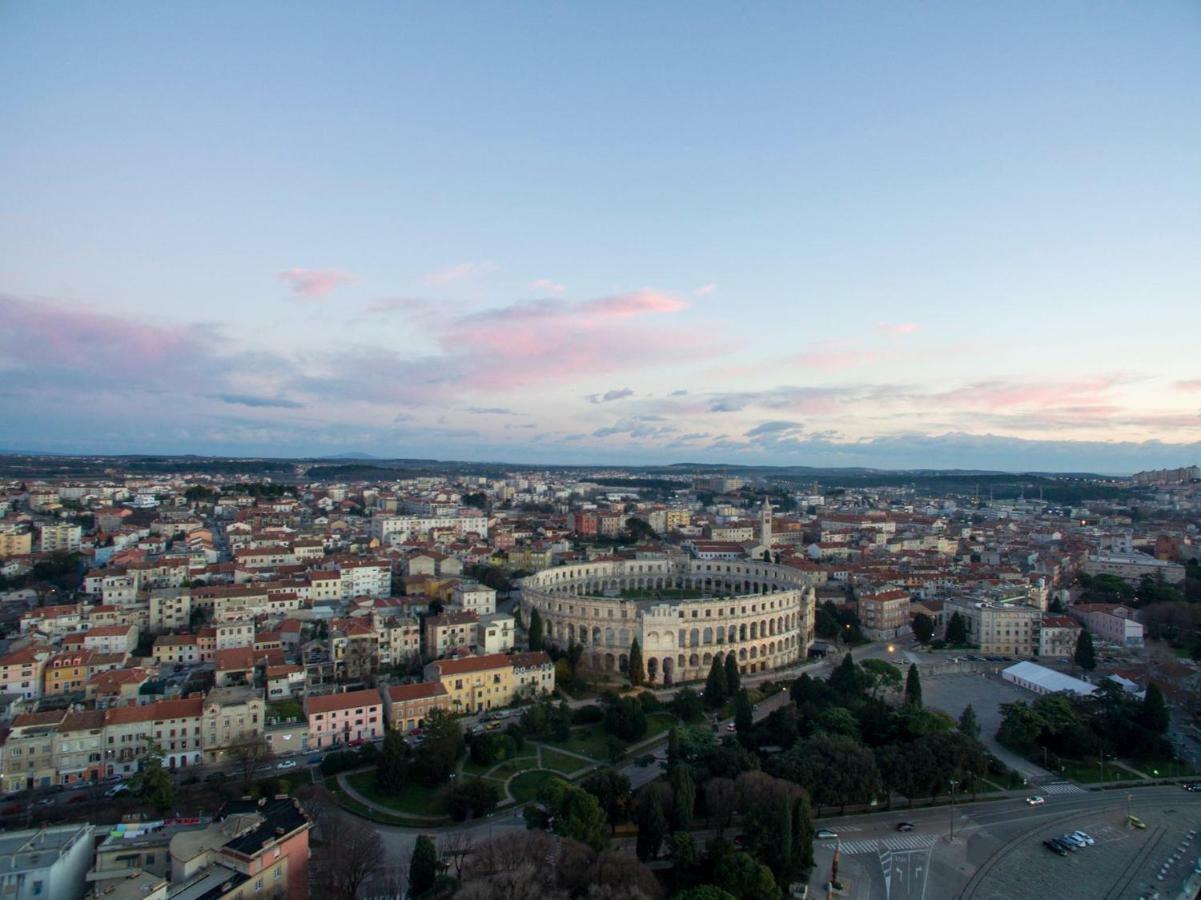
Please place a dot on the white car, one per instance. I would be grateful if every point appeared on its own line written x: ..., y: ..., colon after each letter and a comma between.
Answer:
x: 1035, y: 800
x: 1084, y: 836
x: 287, y: 764
x: 1073, y: 840
x: 825, y: 834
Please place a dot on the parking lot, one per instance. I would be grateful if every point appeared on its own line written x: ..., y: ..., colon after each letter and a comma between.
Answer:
x: 985, y: 692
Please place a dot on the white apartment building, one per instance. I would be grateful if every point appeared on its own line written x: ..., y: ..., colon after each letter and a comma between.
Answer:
x: 398, y: 529
x: 49, y: 862
x: 1001, y: 627
x: 63, y: 537
x: 471, y: 596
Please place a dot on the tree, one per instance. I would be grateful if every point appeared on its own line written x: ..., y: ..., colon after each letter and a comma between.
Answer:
x: 968, y: 724
x: 880, y: 674
x: 683, y: 793
x: 625, y: 719
x: 1085, y: 656
x: 913, y: 687
x: 715, y: 684
x: 768, y: 829
x: 673, y: 747
x: 846, y: 678
x: 152, y: 784
x: 637, y: 672
x: 687, y: 705
x: 390, y: 771
x: 535, y: 630
x: 744, y: 720
x: 354, y: 853
x: 746, y: 879
x: 956, y: 630
x: 640, y: 529
x: 802, y: 835
x: 423, y: 867
x: 247, y: 753
x: 438, y: 755
x: 652, y: 826
x: 719, y: 801
x: 612, y: 791
x: 575, y: 812
x: 733, y: 679
x: 1154, y: 714
x: 923, y: 628
x: 472, y: 797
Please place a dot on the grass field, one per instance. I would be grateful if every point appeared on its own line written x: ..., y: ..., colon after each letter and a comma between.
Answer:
x: 663, y: 594
x: 413, y: 799
x: 561, y: 762
x: 590, y: 740
x: 503, y: 769
x: 526, y: 785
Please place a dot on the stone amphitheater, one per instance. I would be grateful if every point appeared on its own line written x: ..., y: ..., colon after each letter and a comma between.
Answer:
x: 683, y: 612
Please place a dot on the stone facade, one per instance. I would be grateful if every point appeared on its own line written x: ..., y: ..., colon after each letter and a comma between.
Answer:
x: 763, y: 613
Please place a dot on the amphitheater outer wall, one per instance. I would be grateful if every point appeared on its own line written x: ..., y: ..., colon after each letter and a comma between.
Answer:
x: 761, y: 612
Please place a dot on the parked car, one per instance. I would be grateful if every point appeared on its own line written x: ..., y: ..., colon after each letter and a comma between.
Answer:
x: 1073, y: 841
x: 286, y: 764
x: 731, y: 727
x: 825, y: 834
x: 1064, y: 844
x: 78, y: 798
x: 1084, y: 836
x: 904, y: 826
x: 1035, y: 800
x: 117, y: 788
x: 1136, y: 822
x: 1054, y: 847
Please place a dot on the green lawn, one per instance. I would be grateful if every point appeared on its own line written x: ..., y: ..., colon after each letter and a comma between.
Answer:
x: 658, y: 723
x: 1161, y: 768
x: 283, y: 710
x: 561, y: 762
x: 591, y: 740
x: 414, y: 799
x: 503, y: 769
x: 526, y: 785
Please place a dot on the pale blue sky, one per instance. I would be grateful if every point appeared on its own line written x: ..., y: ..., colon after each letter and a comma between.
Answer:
x: 917, y: 234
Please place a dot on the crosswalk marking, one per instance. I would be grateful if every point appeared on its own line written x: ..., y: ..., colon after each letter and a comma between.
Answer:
x: 1062, y: 787
x: 851, y: 848
x: 909, y: 842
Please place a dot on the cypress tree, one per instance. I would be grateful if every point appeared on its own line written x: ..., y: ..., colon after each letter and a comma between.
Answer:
x: 652, y: 826
x: 956, y: 630
x: 715, y: 684
x: 683, y: 791
x: 535, y: 631
x: 913, y: 688
x: 968, y: 724
x: 637, y: 672
x: 744, y: 720
x: 423, y: 867
x: 733, y: 679
x: 1085, y: 656
x: 673, y: 747
x: 1154, y: 715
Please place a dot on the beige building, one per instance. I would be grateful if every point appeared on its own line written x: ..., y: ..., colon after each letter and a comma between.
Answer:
x: 474, y: 683
x: 61, y: 537
x: 885, y: 615
x: 1004, y: 628
x: 170, y: 609
x: 230, y: 714
x: 407, y: 706
x: 449, y: 631
x: 21, y: 671
x: 15, y: 541
x: 1057, y: 636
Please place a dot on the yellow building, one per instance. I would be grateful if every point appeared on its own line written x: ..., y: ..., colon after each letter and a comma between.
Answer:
x: 68, y: 671
x: 475, y: 682
x: 15, y: 542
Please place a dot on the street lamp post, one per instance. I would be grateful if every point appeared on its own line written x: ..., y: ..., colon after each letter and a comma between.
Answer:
x: 954, y: 783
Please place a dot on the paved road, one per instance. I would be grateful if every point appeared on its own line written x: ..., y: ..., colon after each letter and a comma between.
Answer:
x: 997, y: 851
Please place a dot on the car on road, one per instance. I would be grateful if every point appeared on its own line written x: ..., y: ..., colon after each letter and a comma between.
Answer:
x: 1064, y: 844
x: 1194, y: 786
x: 825, y: 834
x: 1035, y: 800
x: 493, y: 725
x: 1136, y: 822
x: 1073, y: 841
x: 904, y: 826
x: 286, y: 764
x: 731, y: 727
x: 1084, y: 836
x: 78, y: 798
x: 117, y: 788
x: 1054, y: 847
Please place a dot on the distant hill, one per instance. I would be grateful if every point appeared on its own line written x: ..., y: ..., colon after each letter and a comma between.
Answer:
x: 350, y: 456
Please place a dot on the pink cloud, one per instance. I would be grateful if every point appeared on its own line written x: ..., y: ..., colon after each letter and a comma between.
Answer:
x: 834, y: 358
x: 546, y: 286
x: 898, y: 328
x: 1192, y: 384
x: 550, y: 340
x: 314, y: 283
x: 458, y: 272
x: 706, y: 289
x: 1004, y: 395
